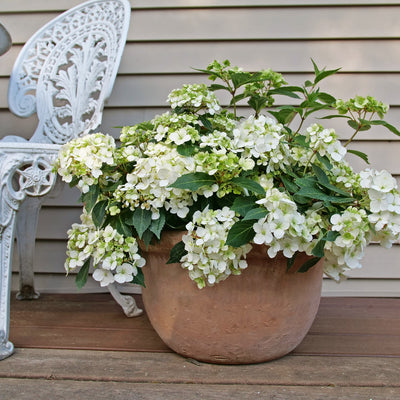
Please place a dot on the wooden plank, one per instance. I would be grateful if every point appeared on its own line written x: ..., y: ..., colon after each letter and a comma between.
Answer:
x: 256, y: 23
x: 361, y: 288
x: 144, y: 367
x: 342, y: 326
x: 79, y: 390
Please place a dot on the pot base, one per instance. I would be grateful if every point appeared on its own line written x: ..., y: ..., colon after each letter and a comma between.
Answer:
x: 261, y: 315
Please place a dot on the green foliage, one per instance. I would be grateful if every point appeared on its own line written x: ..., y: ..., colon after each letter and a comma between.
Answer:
x: 81, y: 277
x: 242, y: 232
x: 193, y: 181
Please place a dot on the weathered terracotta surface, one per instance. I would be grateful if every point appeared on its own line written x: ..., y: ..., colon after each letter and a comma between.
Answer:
x: 258, y: 316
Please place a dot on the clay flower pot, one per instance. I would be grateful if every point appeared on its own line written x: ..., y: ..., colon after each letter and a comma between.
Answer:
x: 260, y: 315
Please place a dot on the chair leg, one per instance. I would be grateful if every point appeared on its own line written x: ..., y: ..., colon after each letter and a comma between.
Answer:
x: 127, y: 303
x: 27, y: 220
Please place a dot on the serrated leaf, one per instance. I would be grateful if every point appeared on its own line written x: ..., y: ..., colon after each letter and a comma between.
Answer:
x: 316, y: 69
x: 215, y: 87
x: 237, y: 98
x: 326, y: 98
x: 320, y: 174
x: 359, y: 154
x: 331, y: 236
x: 81, y: 277
x: 90, y: 198
x: 285, y: 91
x: 324, y: 74
x: 186, y: 149
x: 316, y: 194
x: 290, y: 261
x: 255, y: 214
x: 193, y: 181
x: 206, y: 122
x: 308, y: 264
x: 284, y: 116
x: 307, y: 182
x: 290, y: 186
x: 353, y: 124
x: 176, y: 253
x: 242, y: 205
x: 241, y: 78
x: 257, y: 102
x: 139, y: 278
x: 318, y: 250
x: 147, y: 237
x: 249, y: 184
x: 324, y: 160
x: 242, y: 232
x: 98, y: 212
x: 141, y: 220
x: 335, y: 116
x: 386, y: 125
x: 157, y: 225
x: 122, y: 228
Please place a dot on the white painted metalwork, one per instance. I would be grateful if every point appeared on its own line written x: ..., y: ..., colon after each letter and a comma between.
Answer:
x: 64, y: 73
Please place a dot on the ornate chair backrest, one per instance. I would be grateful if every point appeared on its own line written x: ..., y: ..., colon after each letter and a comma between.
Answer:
x: 66, y: 71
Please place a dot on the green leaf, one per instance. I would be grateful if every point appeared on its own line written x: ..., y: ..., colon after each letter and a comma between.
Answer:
x: 83, y: 273
x: 176, y: 253
x: 90, y: 198
x: 157, y: 225
x: 386, y: 125
x: 335, y: 116
x: 353, y: 124
x: 147, y: 237
x: 307, y: 182
x: 320, y: 174
x: 98, y: 212
x: 324, y: 74
x: 318, y: 250
x: 122, y: 228
x: 316, y: 69
x: 324, y: 160
x: 139, y: 278
x: 285, y: 115
x: 290, y: 261
x: 331, y: 236
x: 242, y: 205
x: 140, y: 219
x: 186, y: 149
x: 237, y: 98
x: 316, y: 194
x: 194, y: 181
x: 359, y: 154
x: 242, y: 232
x: 256, y: 213
x: 285, y: 91
x: 257, y: 102
x: 290, y: 186
x: 206, y: 122
x: 215, y: 87
x: 249, y: 184
x: 241, y: 78
x: 326, y: 98
x: 308, y: 264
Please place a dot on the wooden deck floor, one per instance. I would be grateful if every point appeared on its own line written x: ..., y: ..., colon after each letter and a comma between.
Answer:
x: 82, y: 346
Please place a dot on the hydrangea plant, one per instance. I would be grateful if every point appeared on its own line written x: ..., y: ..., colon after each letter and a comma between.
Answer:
x: 230, y: 182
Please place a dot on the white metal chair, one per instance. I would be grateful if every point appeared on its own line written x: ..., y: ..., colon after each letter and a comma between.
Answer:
x: 64, y: 73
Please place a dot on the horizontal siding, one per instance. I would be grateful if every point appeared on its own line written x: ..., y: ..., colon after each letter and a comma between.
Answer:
x: 222, y: 23
x: 169, y: 37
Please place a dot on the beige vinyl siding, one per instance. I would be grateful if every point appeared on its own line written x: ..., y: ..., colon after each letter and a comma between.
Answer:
x: 167, y: 38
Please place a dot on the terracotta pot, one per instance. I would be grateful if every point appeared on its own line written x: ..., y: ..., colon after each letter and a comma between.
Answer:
x: 258, y: 316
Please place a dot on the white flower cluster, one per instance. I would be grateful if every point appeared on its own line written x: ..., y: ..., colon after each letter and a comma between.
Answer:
x: 284, y: 228
x: 325, y: 142
x: 84, y: 158
x: 260, y: 138
x: 348, y: 248
x: 209, y: 259
x: 148, y: 184
x: 194, y: 97
x: 115, y: 257
x: 384, y: 205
